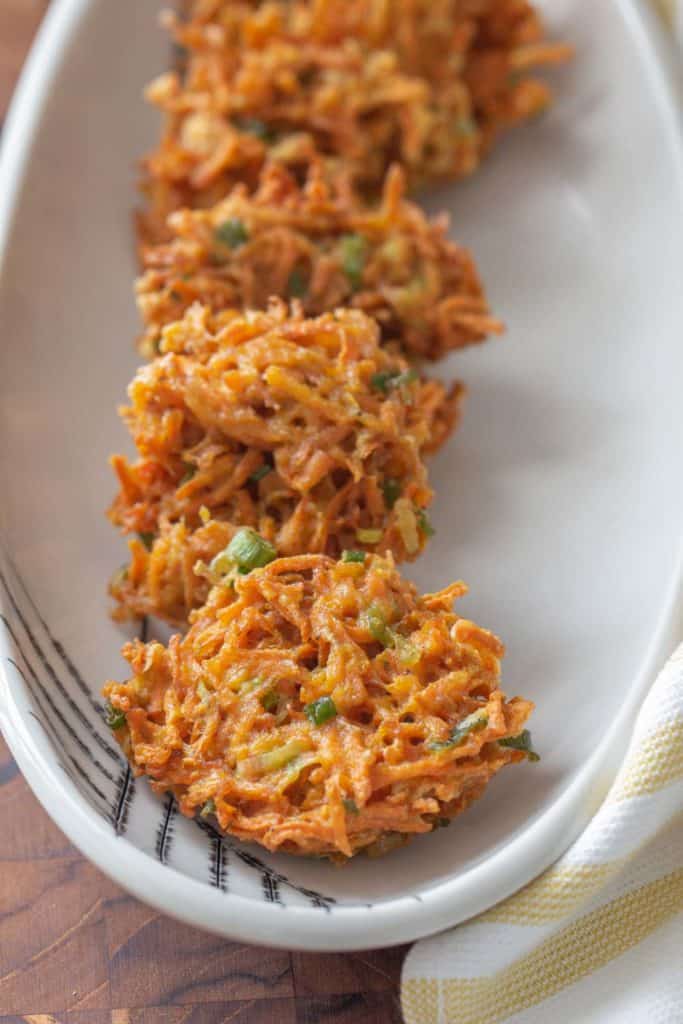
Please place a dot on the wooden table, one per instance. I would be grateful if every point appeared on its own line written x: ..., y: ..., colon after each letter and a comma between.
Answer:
x: 76, y: 949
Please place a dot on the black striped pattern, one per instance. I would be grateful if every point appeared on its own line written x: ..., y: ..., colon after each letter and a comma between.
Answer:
x: 59, y: 648
x: 218, y: 856
x: 271, y: 888
x: 276, y: 879
x: 125, y: 791
x: 165, y: 830
x: 85, y: 749
x: 48, y: 716
x: 76, y: 711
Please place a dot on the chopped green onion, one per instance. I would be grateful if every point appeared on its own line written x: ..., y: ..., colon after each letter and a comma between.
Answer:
x: 246, y: 685
x: 190, y: 471
x: 406, y: 522
x: 254, y: 126
x: 392, y: 492
x: 403, y: 379
x: 297, y: 283
x: 208, y: 808
x: 176, y: 296
x: 259, y: 473
x: 377, y: 626
x: 114, y: 717
x: 369, y: 536
x: 270, y: 701
x: 389, y: 380
x: 383, y: 381
x: 465, y: 127
x: 147, y: 539
x: 248, y: 550
x: 408, y: 654
x: 473, y: 723
x: 350, y: 805
x: 353, y: 251
x: 353, y: 556
x: 272, y: 760
x: 220, y: 565
x: 232, y: 233
x: 521, y: 742
x: 320, y: 711
x: 423, y: 522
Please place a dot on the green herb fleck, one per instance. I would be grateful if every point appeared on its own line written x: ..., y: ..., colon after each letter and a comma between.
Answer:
x: 232, y: 233
x: 147, y: 539
x: 350, y: 805
x: 248, y: 550
x: 248, y: 685
x: 353, y: 253
x: 521, y: 742
x: 353, y: 556
x: 254, y: 126
x: 423, y: 522
x: 377, y: 626
x: 270, y: 701
x: 473, y: 723
x: 320, y: 711
x: 390, y: 380
x: 190, y: 470
x: 114, y: 717
x: 259, y: 473
x: 297, y: 283
x: 392, y: 492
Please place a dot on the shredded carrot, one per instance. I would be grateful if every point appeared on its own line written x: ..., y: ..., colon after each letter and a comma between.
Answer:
x: 308, y: 430
x: 388, y: 260
x: 362, y: 83
x: 284, y: 717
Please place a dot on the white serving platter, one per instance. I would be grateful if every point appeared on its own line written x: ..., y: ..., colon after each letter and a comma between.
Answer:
x: 559, y: 500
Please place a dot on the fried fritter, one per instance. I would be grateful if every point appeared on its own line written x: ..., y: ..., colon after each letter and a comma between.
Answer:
x: 307, y: 430
x: 321, y: 707
x: 364, y: 84
x: 322, y: 245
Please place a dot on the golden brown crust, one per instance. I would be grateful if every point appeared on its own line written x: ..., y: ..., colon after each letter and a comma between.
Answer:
x: 429, y: 84
x: 226, y: 718
x: 388, y: 260
x: 307, y: 430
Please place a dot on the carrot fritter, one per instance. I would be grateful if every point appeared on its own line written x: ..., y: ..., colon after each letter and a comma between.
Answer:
x: 321, y: 707
x: 308, y: 430
x: 322, y: 245
x: 429, y: 84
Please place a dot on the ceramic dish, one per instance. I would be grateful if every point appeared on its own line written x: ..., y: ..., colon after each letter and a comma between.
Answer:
x: 558, y: 500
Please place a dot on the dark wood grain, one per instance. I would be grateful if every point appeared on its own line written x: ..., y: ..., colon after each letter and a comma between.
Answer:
x: 76, y: 949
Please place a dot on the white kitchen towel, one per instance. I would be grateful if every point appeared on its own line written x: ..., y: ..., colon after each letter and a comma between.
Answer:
x: 597, y: 939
